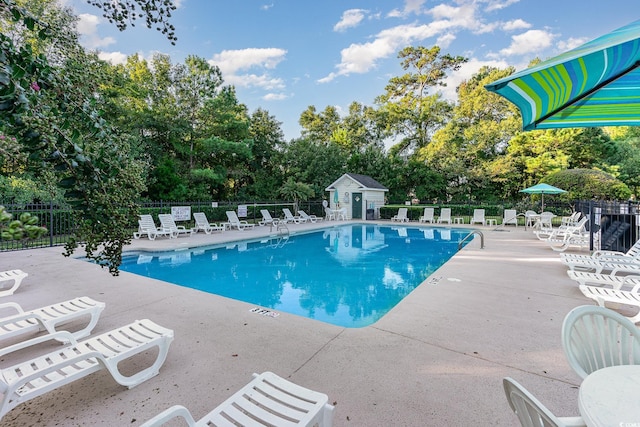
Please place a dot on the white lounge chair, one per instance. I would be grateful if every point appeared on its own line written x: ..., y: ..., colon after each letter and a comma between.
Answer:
x: 146, y: 226
x: 235, y: 222
x: 595, y: 337
x: 510, y: 216
x: 600, y: 257
x: 168, y: 224
x: 427, y: 216
x: 202, y: 223
x: 401, y: 216
x: 602, y: 295
x: 289, y: 217
x: 267, y: 218
x: 30, y: 379
x: 478, y: 217
x: 14, y: 276
x: 268, y: 400
x: 47, y: 318
x: 308, y: 218
x: 601, y: 279
x: 562, y: 239
x: 445, y: 216
x: 530, y: 411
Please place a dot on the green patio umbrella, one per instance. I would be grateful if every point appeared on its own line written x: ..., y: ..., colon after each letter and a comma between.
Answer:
x: 596, y: 84
x: 336, y: 197
x: 543, y: 189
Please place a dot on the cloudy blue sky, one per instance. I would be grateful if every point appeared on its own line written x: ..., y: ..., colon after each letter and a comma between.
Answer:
x: 285, y: 55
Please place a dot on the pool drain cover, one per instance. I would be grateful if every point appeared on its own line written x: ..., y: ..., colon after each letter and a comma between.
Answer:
x: 264, y: 312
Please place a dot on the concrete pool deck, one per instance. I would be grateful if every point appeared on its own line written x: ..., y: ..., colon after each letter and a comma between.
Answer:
x: 436, y: 359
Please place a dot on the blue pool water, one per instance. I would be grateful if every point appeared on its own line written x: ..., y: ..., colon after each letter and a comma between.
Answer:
x: 349, y: 275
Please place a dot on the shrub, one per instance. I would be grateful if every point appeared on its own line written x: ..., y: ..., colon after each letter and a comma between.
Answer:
x: 588, y: 184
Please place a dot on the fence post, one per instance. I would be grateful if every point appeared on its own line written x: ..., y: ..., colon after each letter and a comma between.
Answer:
x: 50, y: 223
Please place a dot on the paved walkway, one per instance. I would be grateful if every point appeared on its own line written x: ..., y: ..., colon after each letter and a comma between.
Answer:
x: 436, y: 359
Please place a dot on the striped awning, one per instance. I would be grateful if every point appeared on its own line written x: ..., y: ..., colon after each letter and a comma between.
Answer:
x: 596, y: 84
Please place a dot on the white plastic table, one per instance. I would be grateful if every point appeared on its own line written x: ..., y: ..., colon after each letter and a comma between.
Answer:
x: 609, y: 397
x: 491, y: 221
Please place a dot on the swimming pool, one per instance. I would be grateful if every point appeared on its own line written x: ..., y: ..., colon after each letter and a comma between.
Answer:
x: 349, y: 275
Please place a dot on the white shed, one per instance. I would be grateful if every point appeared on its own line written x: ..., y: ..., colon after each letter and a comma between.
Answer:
x: 361, y: 195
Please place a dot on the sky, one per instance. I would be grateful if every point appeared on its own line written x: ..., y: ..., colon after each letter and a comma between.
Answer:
x: 286, y: 55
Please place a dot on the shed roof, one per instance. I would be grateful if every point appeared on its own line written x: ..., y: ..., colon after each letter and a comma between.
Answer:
x: 364, y: 181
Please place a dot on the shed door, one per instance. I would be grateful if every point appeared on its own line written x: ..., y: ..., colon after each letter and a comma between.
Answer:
x: 356, y: 205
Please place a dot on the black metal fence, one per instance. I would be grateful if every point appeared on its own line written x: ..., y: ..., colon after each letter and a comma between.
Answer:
x: 612, y: 225
x: 58, y: 220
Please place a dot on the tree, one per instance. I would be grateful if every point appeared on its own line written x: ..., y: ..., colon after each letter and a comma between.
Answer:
x: 51, y: 110
x: 588, y: 184
x: 296, y: 191
x: 409, y: 110
x: 124, y: 12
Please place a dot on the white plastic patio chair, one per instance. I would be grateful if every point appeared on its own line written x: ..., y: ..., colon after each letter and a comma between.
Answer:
x: 595, y: 337
x: 235, y: 222
x: 30, y: 379
x: 478, y: 217
x: 329, y: 214
x: 307, y: 217
x: 267, y: 218
x: 510, y: 216
x: 202, y: 223
x: 445, y: 216
x: 14, y: 276
x: 530, y: 411
x: 427, y: 216
x: 168, y: 224
x: 47, y: 318
x: 289, y: 217
x: 146, y: 226
x: 603, y: 295
x: 401, y: 216
x: 268, y: 400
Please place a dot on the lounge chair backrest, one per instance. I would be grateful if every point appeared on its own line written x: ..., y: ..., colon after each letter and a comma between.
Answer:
x: 428, y: 213
x: 266, y: 215
x: 596, y: 337
x: 510, y: 216
x: 146, y: 223
x: 478, y: 214
x: 201, y: 219
x: 232, y: 216
x: 287, y: 214
x: 445, y: 213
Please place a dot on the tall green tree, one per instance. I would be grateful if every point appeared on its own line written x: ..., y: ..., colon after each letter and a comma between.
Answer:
x: 410, y: 109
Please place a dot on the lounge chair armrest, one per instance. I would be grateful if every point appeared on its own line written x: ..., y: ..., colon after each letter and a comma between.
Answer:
x: 169, y: 414
x: 25, y: 316
x: 602, y: 252
x: 62, y: 336
x: 13, y: 305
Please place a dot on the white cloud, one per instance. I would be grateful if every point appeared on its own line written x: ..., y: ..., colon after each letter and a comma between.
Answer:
x: 114, y: 58
x: 499, y: 4
x: 266, y: 6
x: 88, y: 29
x: 531, y: 41
x: 410, y: 7
x: 230, y: 61
x: 263, y: 81
x: 275, y: 97
x: 572, y: 43
x: 445, y: 40
x: 350, y: 18
x: 516, y: 24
